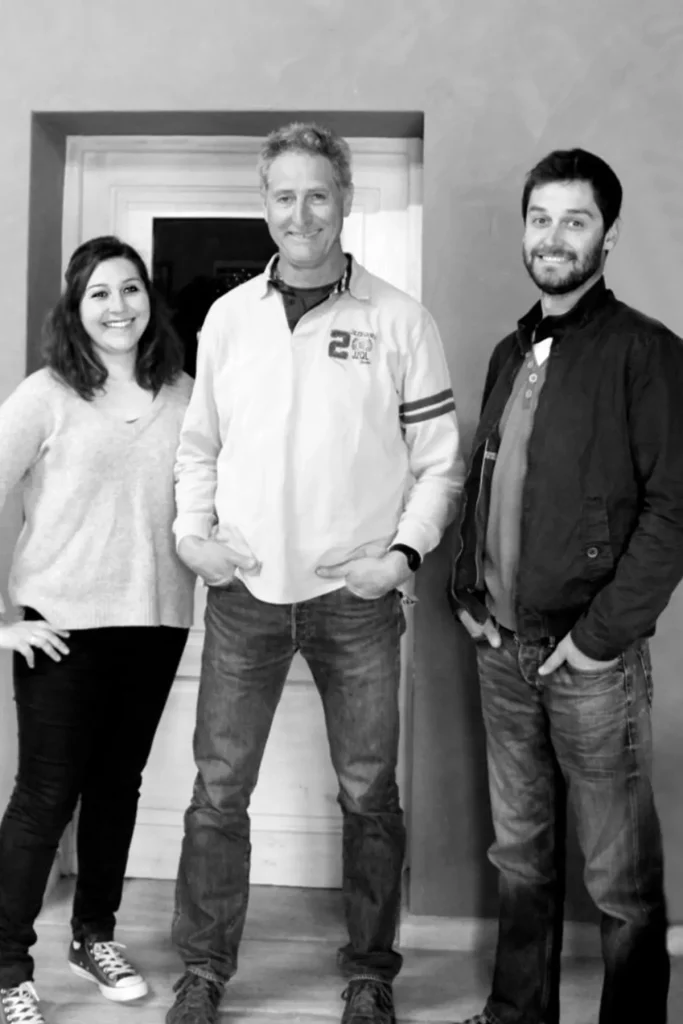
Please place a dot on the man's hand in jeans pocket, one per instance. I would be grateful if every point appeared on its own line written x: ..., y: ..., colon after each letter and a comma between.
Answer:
x: 214, y: 560
x: 480, y: 632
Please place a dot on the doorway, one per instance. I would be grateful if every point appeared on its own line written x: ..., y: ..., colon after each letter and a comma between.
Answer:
x: 192, y: 207
x: 196, y: 260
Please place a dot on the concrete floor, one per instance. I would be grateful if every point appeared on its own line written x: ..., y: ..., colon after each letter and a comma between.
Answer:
x: 287, y: 967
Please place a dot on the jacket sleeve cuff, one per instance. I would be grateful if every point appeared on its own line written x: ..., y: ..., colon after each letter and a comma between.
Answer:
x: 587, y: 646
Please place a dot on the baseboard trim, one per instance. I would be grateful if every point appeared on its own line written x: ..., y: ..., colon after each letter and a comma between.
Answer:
x: 470, y: 935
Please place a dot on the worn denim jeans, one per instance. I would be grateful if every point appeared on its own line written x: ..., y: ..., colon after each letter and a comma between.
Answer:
x: 585, y: 737
x: 86, y: 726
x: 352, y: 648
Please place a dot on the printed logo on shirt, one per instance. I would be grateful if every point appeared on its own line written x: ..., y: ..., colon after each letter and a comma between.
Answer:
x: 357, y: 344
x: 361, y: 347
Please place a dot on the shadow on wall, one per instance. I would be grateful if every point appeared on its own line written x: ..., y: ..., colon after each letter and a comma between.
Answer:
x: 449, y: 740
x: 493, y: 288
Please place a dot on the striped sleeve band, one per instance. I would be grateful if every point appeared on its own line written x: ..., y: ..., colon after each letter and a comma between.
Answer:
x: 427, y: 408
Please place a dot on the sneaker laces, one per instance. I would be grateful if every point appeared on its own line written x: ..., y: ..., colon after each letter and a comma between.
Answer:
x: 367, y: 996
x: 21, y: 1004
x: 107, y: 956
x: 197, y: 993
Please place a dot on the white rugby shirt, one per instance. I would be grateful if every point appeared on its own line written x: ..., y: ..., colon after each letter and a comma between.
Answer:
x: 305, y: 447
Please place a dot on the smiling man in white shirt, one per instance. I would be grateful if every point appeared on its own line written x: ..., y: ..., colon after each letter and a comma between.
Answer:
x: 319, y: 462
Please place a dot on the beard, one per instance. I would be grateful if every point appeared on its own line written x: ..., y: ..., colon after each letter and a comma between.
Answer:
x: 561, y: 279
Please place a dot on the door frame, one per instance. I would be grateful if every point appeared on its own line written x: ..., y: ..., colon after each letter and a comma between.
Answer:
x: 87, y: 151
x: 406, y: 155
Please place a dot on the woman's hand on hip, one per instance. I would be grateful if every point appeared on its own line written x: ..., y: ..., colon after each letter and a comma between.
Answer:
x: 24, y: 636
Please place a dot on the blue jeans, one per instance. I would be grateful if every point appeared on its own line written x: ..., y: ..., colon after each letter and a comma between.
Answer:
x: 585, y: 737
x: 352, y: 648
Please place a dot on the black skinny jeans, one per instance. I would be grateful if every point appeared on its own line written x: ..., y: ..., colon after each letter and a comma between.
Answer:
x: 86, y: 726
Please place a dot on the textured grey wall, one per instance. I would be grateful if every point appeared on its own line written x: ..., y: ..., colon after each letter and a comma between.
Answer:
x: 500, y: 83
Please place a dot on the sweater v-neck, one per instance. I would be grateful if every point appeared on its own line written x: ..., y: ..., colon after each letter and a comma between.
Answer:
x: 136, y: 425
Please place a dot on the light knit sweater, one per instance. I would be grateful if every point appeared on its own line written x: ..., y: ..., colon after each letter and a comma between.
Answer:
x: 96, y: 548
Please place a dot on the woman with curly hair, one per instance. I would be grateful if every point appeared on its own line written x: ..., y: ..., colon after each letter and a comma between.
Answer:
x: 106, y: 604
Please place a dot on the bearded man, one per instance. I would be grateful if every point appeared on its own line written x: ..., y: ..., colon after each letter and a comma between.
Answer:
x: 571, y: 545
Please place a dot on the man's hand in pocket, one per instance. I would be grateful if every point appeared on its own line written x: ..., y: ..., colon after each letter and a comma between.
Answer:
x: 215, y: 561
x: 480, y: 632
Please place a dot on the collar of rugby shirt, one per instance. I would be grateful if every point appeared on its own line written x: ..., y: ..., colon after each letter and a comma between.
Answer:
x: 353, y: 280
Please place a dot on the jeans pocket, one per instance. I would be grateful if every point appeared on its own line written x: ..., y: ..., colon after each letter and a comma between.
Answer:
x: 221, y: 588
x: 645, y: 662
x: 608, y: 669
x: 599, y: 683
x: 351, y: 595
x: 388, y: 595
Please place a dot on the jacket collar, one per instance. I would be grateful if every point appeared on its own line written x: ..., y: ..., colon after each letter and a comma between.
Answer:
x: 593, y: 300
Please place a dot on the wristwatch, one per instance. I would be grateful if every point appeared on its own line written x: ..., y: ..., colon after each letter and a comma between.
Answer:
x: 414, y: 560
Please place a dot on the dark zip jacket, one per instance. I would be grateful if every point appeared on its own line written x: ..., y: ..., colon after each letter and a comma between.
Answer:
x: 602, y: 507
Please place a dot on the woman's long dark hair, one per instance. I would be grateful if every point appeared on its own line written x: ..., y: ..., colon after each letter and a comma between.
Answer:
x: 67, y: 346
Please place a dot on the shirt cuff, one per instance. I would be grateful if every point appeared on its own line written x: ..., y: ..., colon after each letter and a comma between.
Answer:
x: 193, y: 524
x: 414, y: 536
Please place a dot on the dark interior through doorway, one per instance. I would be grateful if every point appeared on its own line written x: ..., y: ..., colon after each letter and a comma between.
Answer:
x: 197, y: 259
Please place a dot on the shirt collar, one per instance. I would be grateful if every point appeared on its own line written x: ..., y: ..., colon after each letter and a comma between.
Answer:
x: 354, y: 279
x: 577, y: 316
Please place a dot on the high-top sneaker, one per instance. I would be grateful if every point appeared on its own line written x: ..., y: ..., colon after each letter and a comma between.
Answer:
x: 19, y: 1005
x: 105, y: 965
